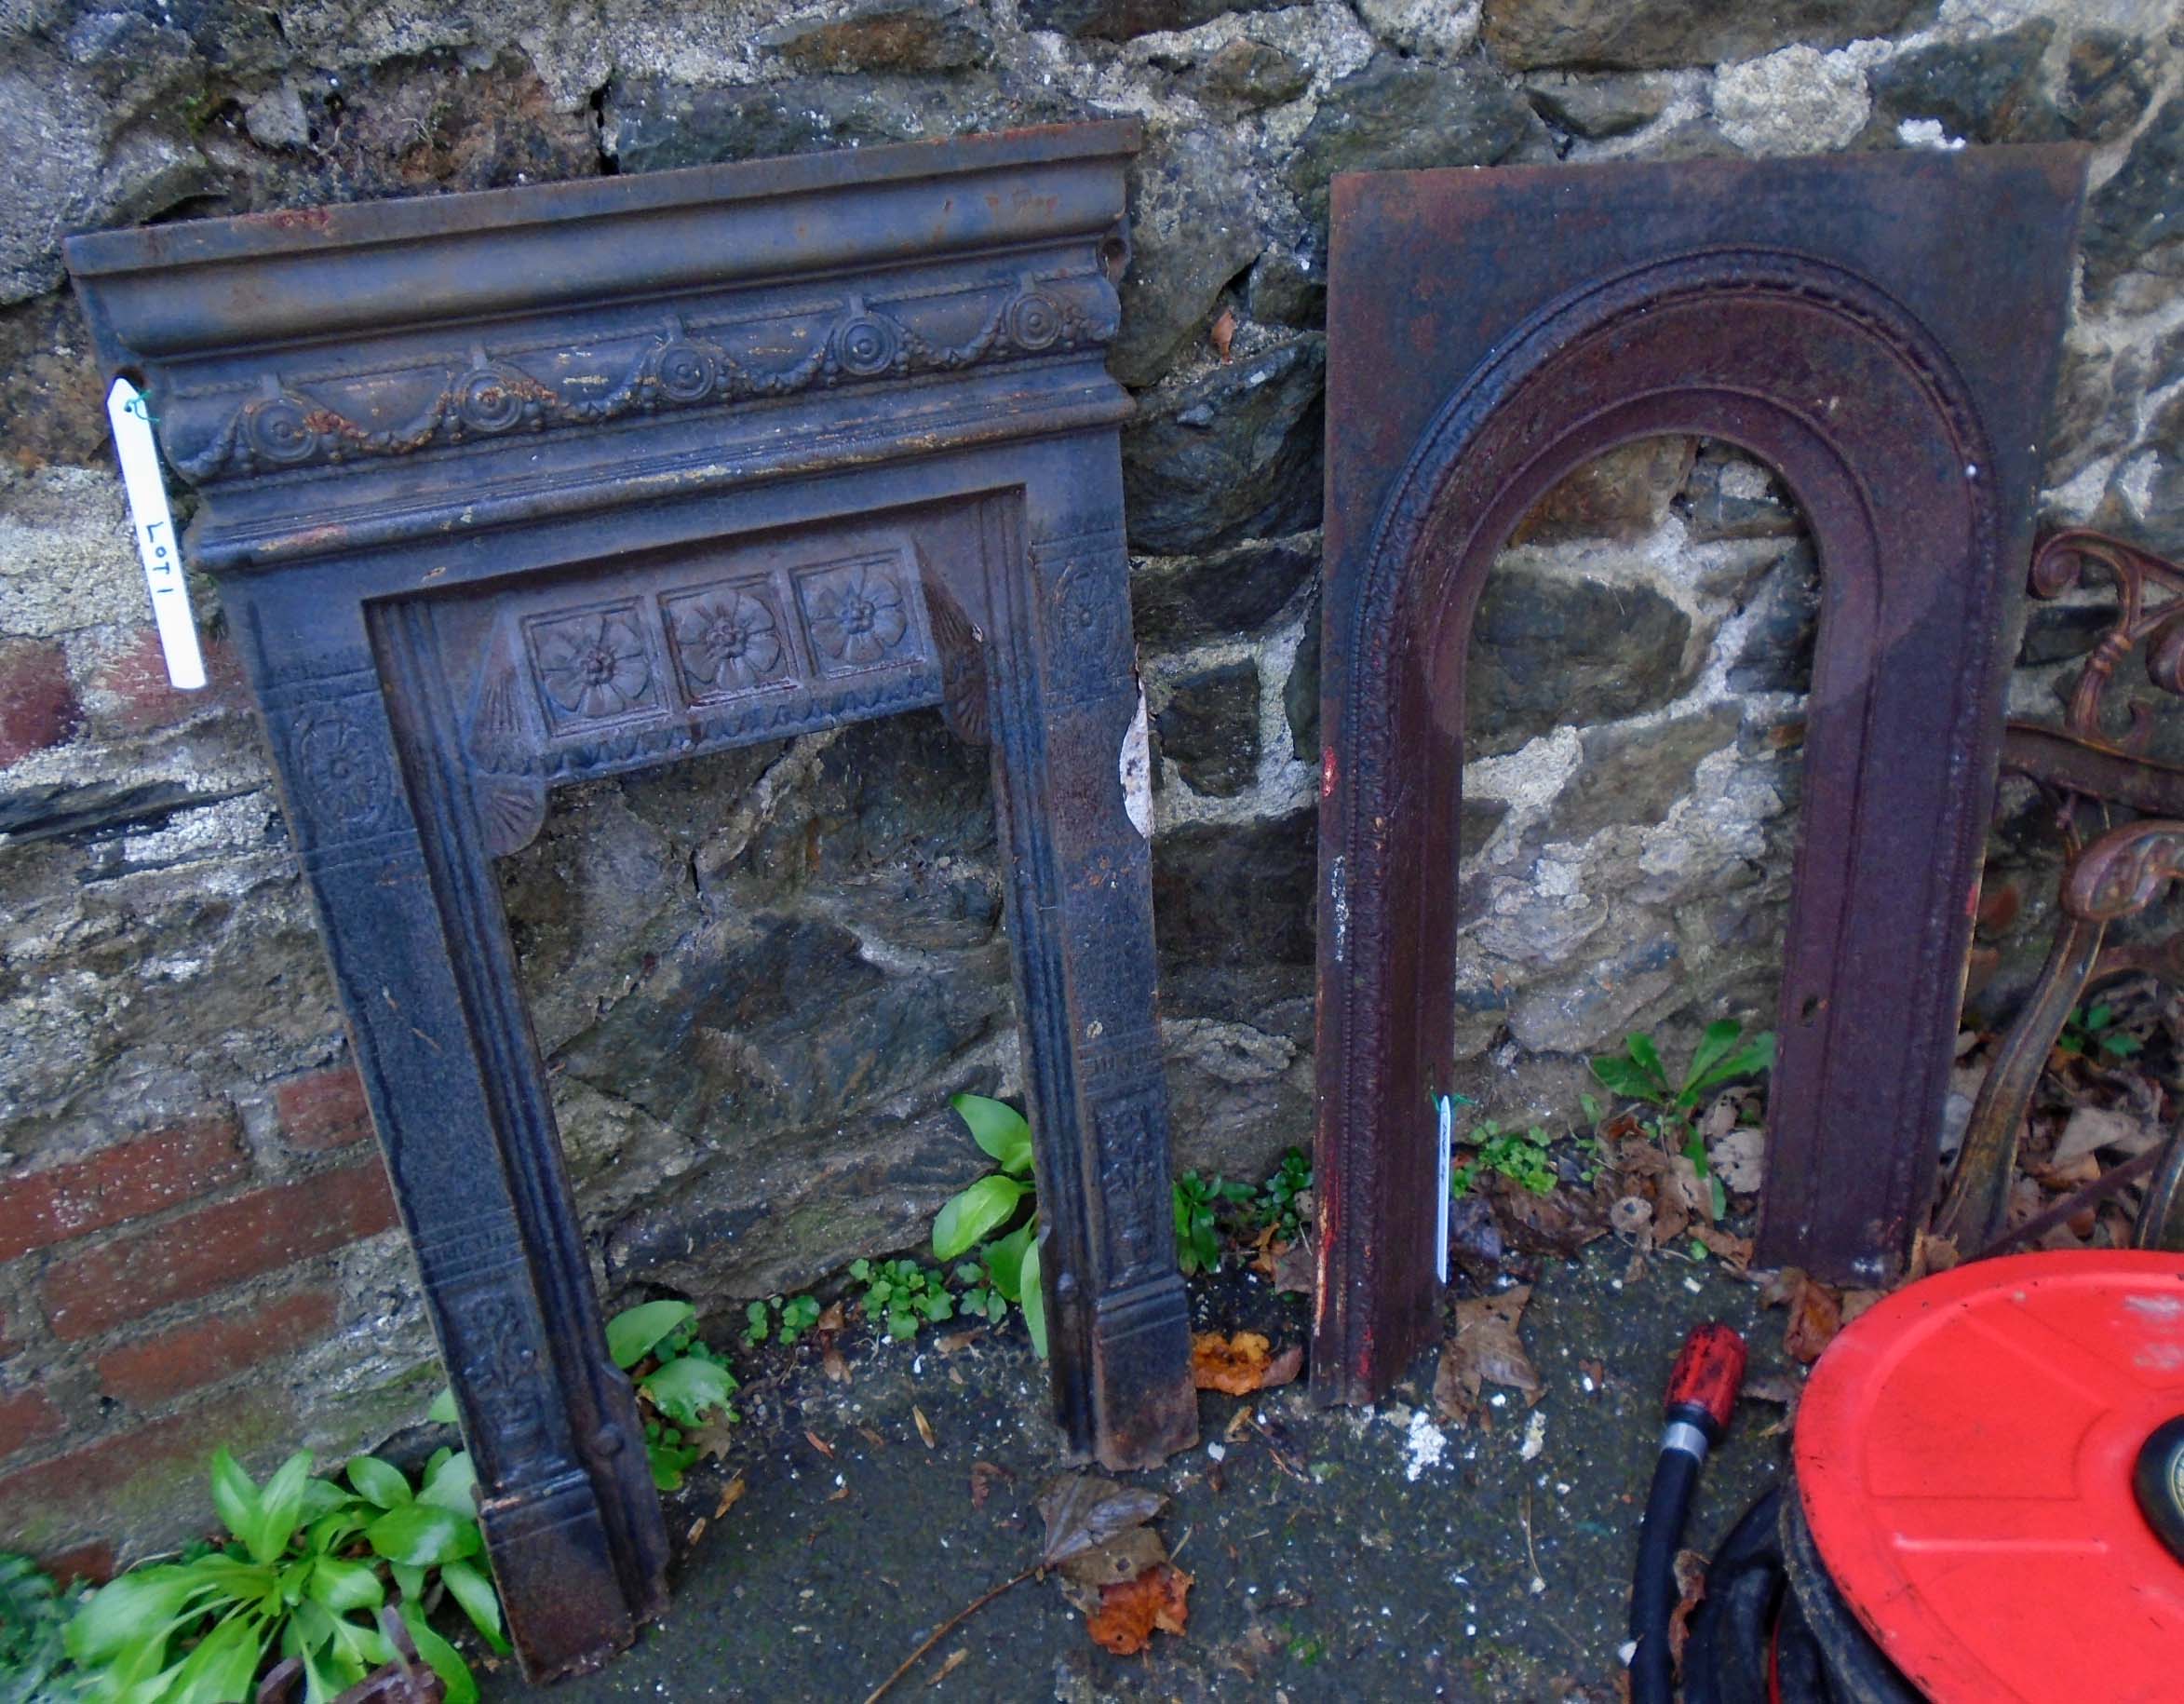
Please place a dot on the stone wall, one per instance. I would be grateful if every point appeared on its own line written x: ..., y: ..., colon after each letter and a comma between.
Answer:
x: 758, y: 978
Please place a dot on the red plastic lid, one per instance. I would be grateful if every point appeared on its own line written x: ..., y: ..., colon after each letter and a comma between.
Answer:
x: 1965, y: 1453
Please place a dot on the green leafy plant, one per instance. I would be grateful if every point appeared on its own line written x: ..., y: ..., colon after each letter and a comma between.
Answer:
x: 2092, y: 1032
x: 1199, y: 1204
x: 1278, y: 1197
x: 680, y: 1381
x: 1723, y: 1056
x: 682, y: 1384
x: 305, y: 1574
x: 34, y: 1623
x: 1521, y: 1156
x: 1009, y: 1262
x: 903, y: 1295
x: 785, y: 1320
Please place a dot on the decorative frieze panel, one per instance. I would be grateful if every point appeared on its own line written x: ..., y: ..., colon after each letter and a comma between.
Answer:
x: 318, y: 414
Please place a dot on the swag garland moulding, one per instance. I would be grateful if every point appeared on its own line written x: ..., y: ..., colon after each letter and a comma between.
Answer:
x: 510, y: 489
x: 1884, y: 330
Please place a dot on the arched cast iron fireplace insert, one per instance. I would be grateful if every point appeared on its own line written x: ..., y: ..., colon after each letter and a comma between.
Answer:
x: 510, y: 490
x: 1883, y: 330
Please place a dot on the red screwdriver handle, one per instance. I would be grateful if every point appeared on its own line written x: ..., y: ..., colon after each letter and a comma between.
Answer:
x: 1702, y: 1386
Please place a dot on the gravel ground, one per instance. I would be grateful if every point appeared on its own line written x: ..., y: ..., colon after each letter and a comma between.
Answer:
x: 1367, y: 1553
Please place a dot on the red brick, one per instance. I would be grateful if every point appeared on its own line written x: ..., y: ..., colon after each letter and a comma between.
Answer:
x: 91, y: 1563
x: 26, y: 1417
x: 37, y: 705
x: 130, y: 694
x: 324, y: 1110
x: 215, y: 1246
x: 158, y: 1369
x: 114, y: 1488
x: 125, y: 1181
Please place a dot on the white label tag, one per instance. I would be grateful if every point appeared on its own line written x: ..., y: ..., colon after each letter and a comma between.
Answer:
x: 1446, y: 1105
x: 155, y: 544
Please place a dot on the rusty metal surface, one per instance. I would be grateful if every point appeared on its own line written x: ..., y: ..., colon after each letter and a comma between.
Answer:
x: 512, y: 489
x: 1883, y: 329
x: 2083, y: 768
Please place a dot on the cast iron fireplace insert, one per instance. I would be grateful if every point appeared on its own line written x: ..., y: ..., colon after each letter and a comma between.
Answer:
x: 510, y: 489
x: 1882, y: 329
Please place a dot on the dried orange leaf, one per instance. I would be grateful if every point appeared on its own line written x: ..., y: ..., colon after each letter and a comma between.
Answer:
x: 924, y: 1427
x: 1130, y: 1614
x: 1241, y: 1364
x: 1224, y: 333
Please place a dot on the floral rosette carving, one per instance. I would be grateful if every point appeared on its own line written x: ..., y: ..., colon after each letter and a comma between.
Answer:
x: 343, y: 772
x: 727, y: 641
x: 864, y: 346
x: 595, y: 666
x: 279, y: 429
x: 856, y: 615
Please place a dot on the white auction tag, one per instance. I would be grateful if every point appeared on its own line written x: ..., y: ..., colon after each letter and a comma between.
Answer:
x: 1446, y: 1107
x: 147, y: 506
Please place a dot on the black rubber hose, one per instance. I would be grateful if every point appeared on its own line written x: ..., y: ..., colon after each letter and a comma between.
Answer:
x: 1725, y: 1660
x: 1652, y: 1591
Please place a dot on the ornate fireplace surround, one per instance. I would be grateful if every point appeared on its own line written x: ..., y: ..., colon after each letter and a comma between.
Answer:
x: 510, y: 489
x: 1884, y: 330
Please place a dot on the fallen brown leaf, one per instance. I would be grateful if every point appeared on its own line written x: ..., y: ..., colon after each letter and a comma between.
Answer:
x: 833, y: 1364
x: 830, y: 1320
x: 839, y: 1493
x: 985, y: 1475
x: 1735, y: 1252
x: 924, y: 1427
x: 1739, y: 1157
x: 1121, y: 1559
x: 1690, y: 1586
x: 1294, y: 1268
x: 1081, y: 1509
x: 956, y: 1341
x: 818, y: 1443
x: 1129, y: 1613
x: 1485, y: 1347
x: 1223, y: 332
x: 1815, y: 1315
x: 1632, y: 1216
x: 730, y: 1494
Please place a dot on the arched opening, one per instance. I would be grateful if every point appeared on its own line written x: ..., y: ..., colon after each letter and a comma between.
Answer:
x: 1634, y: 749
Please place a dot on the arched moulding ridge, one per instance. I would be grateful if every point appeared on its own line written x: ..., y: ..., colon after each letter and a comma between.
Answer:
x: 1840, y: 365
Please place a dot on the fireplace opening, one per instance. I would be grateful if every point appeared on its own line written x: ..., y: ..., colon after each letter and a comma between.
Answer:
x: 756, y: 979
x: 1633, y: 710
